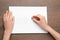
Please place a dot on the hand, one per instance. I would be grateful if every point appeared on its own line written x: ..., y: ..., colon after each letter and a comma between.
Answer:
x: 40, y: 20
x: 8, y: 19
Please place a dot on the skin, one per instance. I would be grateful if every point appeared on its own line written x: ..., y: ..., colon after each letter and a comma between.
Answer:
x: 42, y: 22
x: 8, y: 19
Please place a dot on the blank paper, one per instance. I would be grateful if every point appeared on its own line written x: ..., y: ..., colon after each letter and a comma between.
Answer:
x: 23, y: 19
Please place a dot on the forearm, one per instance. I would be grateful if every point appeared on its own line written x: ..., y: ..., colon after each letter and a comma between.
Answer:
x: 6, y: 35
x: 55, y: 34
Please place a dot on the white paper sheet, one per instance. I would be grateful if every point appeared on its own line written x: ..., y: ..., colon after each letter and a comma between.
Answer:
x: 23, y: 22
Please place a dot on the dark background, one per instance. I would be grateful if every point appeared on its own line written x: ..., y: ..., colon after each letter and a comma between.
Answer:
x: 53, y: 10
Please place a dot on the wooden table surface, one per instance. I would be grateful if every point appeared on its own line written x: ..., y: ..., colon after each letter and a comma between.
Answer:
x: 53, y: 10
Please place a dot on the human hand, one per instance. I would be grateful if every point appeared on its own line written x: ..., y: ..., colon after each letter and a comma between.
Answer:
x: 8, y: 19
x: 40, y: 20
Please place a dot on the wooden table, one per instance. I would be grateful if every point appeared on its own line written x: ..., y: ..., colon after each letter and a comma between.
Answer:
x: 53, y: 8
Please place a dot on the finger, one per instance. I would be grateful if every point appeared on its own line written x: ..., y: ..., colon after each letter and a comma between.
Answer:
x: 4, y: 17
x: 13, y: 19
x: 10, y: 14
x: 6, y: 14
x: 37, y: 18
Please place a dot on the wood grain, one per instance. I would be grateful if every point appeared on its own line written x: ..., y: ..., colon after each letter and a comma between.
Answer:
x: 53, y: 8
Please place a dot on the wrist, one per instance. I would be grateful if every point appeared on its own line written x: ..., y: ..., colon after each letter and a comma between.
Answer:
x: 7, y: 32
x: 6, y: 35
x: 49, y: 28
x: 46, y: 27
